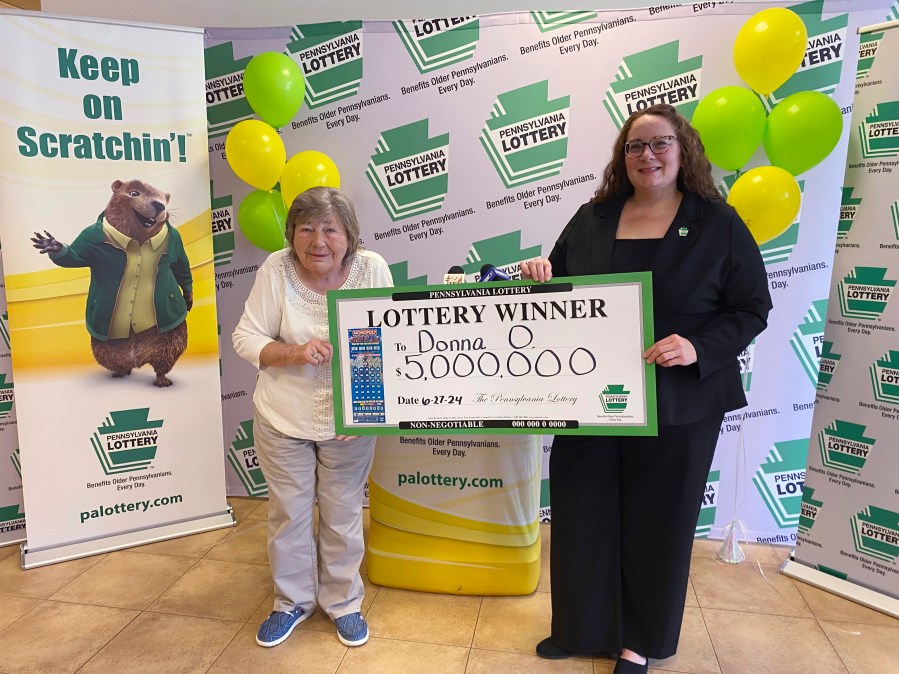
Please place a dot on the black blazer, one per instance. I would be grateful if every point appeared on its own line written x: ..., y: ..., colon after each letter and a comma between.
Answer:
x: 709, y: 286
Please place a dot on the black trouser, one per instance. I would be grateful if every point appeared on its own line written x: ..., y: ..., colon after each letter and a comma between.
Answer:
x: 624, y: 513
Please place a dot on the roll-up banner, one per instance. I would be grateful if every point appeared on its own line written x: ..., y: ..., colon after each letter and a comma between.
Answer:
x: 472, y: 140
x: 849, y: 514
x: 108, y: 260
x: 12, y: 515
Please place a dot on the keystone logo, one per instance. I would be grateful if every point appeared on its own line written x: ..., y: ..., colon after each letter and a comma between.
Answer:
x: 126, y: 441
x: 780, y: 478
x: 709, y: 505
x: 808, y: 337
x: 409, y: 170
x: 435, y: 43
x: 222, y: 228
x: 242, y: 457
x: 526, y: 136
x: 7, y: 397
x: 827, y: 365
x: 504, y: 251
x: 225, y: 101
x: 875, y: 532
x: 400, y: 274
x: 547, y: 21
x: 808, y: 510
x: 4, y: 328
x: 848, y: 209
x: 832, y: 572
x: 885, y: 378
x: 879, y: 132
x: 844, y: 446
x: 864, y: 292
x: 868, y: 44
x: 654, y: 76
x: 614, y: 398
x: 11, y: 518
x: 16, y: 461
x: 330, y: 58
x: 894, y: 212
x: 745, y: 360
x: 823, y: 61
x: 781, y: 247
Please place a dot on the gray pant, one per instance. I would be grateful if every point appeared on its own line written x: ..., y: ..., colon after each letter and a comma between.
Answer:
x: 298, y: 472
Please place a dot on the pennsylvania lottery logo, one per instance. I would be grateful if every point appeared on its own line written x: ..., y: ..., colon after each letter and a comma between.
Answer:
x: 709, y: 505
x: 848, y: 209
x: 894, y: 212
x: 503, y: 251
x: 7, y: 397
x: 822, y: 63
x: 868, y: 45
x: 126, y: 441
x: 614, y: 399
x: 779, y: 481
x: 808, y: 510
x: 243, y: 459
x: 11, y: 518
x: 226, y: 103
x: 879, y: 132
x: 400, y: 274
x: 875, y: 533
x: 330, y: 57
x: 526, y: 136
x: 885, y: 378
x: 409, y: 170
x: 808, y: 338
x: 4, y: 328
x: 780, y: 248
x: 547, y: 21
x: 222, y: 228
x: 844, y: 446
x: 745, y: 360
x: 827, y: 365
x: 654, y: 76
x: 864, y: 293
x: 435, y: 43
x: 16, y: 462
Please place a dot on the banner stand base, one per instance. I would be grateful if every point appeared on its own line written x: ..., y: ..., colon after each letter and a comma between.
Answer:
x: 841, y: 588
x: 14, y: 541
x: 65, y: 553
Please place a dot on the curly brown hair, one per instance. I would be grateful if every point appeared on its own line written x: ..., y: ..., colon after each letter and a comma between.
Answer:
x: 695, y: 172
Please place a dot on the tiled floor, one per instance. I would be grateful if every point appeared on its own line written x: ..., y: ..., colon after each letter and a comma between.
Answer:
x: 194, y: 604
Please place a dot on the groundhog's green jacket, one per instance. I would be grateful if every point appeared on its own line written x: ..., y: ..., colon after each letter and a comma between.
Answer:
x: 107, y: 265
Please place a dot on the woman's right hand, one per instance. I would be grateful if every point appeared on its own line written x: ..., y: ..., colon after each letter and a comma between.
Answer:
x: 315, y: 352
x: 539, y: 269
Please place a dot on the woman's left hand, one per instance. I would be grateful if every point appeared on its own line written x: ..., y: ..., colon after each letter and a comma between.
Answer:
x: 673, y: 350
x: 346, y: 438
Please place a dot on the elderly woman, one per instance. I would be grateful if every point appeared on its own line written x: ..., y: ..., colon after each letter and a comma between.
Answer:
x: 284, y: 333
x: 624, y: 509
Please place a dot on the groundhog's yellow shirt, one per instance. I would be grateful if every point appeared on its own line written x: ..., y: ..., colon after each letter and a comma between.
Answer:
x: 134, y: 308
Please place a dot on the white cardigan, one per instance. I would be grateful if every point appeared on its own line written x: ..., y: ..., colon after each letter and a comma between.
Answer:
x: 298, y: 399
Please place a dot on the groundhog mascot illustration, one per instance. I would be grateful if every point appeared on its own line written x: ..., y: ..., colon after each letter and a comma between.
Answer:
x: 141, y: 286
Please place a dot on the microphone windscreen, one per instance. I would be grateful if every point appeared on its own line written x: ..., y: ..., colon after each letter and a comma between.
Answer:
x: 456, y: 269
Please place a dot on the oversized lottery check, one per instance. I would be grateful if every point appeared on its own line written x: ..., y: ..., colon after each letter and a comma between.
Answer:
x: 563, y: 357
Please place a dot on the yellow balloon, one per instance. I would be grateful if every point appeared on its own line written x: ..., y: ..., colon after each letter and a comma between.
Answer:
x: 767, y: 198
x: 307, y: 169
x: 256, y: 153
x: 769, y: 48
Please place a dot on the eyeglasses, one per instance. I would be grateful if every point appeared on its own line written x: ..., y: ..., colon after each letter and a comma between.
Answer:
x: 658, y: 145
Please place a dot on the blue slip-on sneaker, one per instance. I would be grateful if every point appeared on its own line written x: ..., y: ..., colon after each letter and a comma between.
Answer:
x: 278, y: 626
x: 351, y: 629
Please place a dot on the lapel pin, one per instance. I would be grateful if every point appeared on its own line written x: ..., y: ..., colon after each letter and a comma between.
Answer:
x: 683, y: 231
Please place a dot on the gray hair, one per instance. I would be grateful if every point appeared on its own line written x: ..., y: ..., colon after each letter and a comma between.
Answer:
x: 318, y: 203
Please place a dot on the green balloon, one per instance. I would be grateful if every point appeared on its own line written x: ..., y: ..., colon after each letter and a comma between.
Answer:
x: 261, y: 217
x: 730, y: 122
x: 274, y: 87
x: 802, y: 130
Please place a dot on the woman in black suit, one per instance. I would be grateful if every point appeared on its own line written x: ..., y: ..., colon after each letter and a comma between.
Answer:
x: 624, y: 509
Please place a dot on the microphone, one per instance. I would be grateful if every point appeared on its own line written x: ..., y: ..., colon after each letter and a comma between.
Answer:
x: 490, y: 273
x: 455, y: 275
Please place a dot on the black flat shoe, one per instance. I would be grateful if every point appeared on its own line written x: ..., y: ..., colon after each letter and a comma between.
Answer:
x: 627, y: 667
x: 547, y: 649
